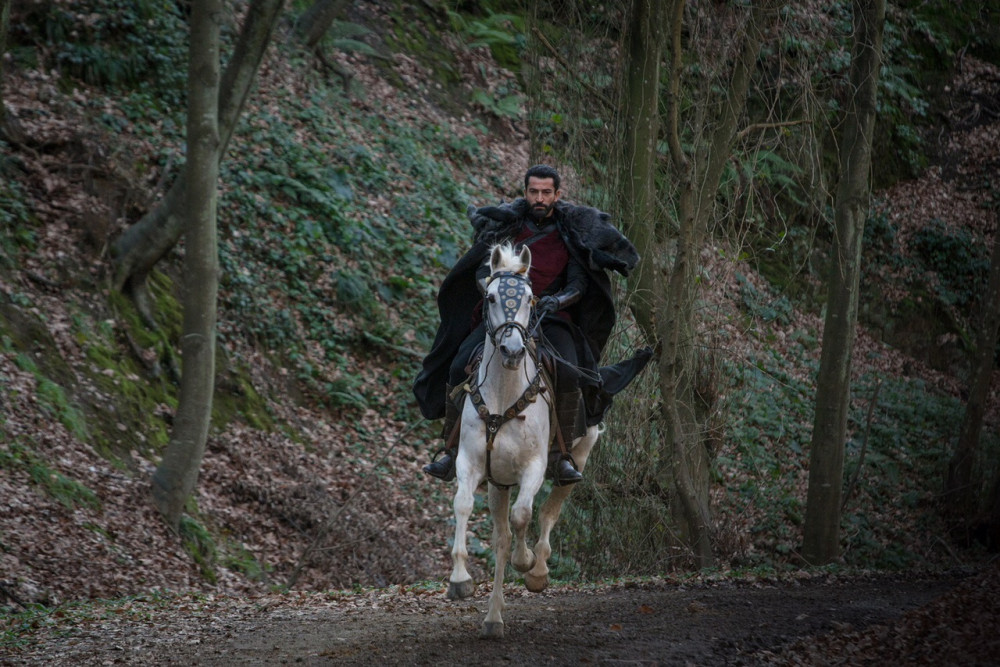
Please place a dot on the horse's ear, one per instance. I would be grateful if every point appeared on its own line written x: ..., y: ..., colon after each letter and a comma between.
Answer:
x: 525, y: 259
x: 495, y: 258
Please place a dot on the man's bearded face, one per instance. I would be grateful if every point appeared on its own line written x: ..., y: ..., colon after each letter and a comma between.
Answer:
x: 542, y: 196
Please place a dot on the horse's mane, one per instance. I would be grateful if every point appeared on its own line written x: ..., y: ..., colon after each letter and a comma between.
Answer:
x: 510, y: 259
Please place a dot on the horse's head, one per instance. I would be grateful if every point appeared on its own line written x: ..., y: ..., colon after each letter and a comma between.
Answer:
x: 507, y: 308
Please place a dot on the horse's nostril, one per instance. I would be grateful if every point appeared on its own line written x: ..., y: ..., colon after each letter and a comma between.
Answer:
x: 512, y: 354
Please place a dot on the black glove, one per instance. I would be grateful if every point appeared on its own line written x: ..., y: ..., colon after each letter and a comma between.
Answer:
x: 547, y: 304
x: 556, y: 302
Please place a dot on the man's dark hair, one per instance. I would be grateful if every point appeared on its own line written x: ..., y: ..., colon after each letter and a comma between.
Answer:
x: 542, y: 171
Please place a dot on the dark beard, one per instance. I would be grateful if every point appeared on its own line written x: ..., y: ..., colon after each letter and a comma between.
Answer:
x: 539, y: 213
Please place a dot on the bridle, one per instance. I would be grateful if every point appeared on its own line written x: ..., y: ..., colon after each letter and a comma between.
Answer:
x: 511, y: 291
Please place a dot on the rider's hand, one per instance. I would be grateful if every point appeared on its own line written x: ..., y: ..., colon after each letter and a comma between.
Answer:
x: 547, y: 304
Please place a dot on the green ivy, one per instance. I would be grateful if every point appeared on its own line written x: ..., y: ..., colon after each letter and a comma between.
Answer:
x: 298, y: 228
x: 764, y: 307
x: 68, y: 492
x: 54, y: 400
x: 16, y: 230
x: 199, y: 544
x: 121, y: 43
x: 960, y: 260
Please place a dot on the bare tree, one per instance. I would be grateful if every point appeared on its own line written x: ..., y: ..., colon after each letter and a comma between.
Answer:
x: 641, y: 121
x: 961, y: 487
x: 177, y: 474
x: 10, y: 130
x: 4, y: 27
x: 668, y: 288
x: 821, y: 542
x: 138, y: 250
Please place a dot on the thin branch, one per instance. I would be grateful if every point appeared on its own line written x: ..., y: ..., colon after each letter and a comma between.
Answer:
x: 381, y: 342
x: 42, y: 280
x: 864, y: 448
x: 758, y: 127
x: 573, y: 71
x: 673, y: 89
x: 333, y: 67
x: 161, y: 183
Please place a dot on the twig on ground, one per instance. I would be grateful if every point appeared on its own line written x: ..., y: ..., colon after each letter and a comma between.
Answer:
x: 381, y: 342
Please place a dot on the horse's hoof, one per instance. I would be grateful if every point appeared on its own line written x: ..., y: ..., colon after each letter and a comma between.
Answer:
x: 461, y: 589
x: 530, y: 565
x: 536, y: 584
x: 491, y: 630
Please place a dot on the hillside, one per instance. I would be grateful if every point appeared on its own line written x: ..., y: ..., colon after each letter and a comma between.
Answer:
x: 342, y: 208
x: 78, y: 422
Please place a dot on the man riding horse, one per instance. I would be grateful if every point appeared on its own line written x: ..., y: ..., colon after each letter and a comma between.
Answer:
x: 572, y: 248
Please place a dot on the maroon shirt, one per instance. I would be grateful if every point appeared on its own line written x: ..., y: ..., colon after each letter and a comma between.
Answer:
x: 549, y: 258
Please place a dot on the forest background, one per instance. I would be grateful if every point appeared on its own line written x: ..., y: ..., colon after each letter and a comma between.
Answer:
x: 342, y: 204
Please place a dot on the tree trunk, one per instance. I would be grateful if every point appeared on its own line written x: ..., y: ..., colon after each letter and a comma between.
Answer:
x: 689, y: 463
x: 821, y: 542
x: 4, y: 27
x: 177, y: 474
x: 961, y: 493
x: 143, y: 244
x: 316, y: 20
x: 698, y: 182
x: 685, y: 462
x: 10, y: 129
x: 644, y: 45
x: 991, y: 529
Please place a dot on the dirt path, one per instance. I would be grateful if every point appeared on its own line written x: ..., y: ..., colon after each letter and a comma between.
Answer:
x: 661, y: 623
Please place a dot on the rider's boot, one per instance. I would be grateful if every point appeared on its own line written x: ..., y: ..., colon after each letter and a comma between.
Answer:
x: 562, y: 467
x: 443, y: 464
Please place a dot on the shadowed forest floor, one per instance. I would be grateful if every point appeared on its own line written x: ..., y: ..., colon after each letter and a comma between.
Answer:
x: 937, y: 620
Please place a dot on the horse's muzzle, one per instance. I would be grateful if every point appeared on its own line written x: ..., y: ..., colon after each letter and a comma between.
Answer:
x: 511, y: 357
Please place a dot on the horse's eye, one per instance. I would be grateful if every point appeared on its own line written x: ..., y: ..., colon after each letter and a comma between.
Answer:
x: 492, y: 298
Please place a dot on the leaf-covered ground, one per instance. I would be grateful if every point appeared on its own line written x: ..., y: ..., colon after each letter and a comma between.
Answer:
x: 860, y: 620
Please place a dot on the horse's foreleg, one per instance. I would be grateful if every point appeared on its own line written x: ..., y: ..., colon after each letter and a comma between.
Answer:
x: 460, y: 584
x: 523, y: 559
x: 537, y: 578
x: 499, y: 510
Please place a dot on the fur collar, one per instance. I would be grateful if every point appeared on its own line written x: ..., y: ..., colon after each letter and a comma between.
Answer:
x: 587, y: 228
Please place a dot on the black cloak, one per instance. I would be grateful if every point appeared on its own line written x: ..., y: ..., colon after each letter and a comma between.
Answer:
x: 594, y: 243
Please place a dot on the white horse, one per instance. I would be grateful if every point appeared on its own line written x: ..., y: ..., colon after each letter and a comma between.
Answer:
x: 505, y: 436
